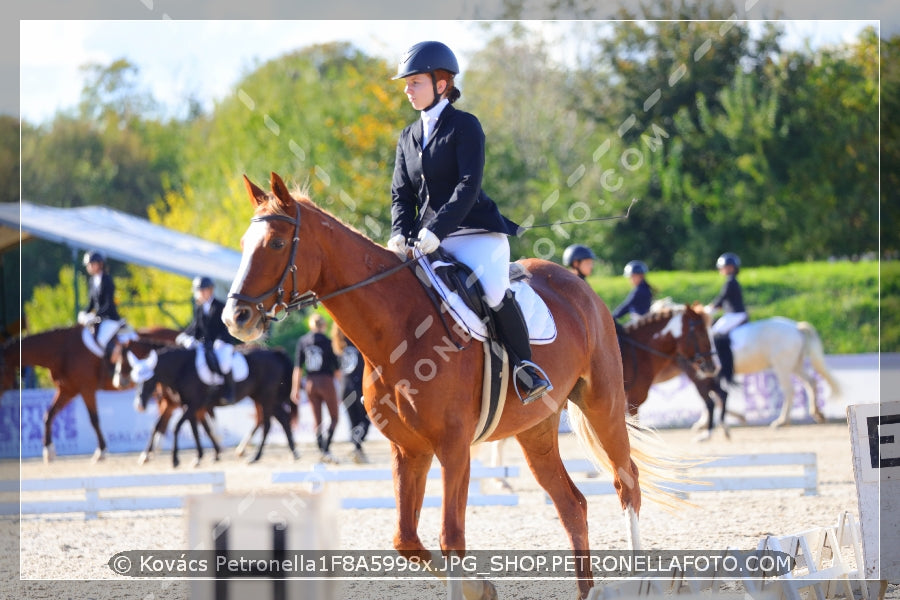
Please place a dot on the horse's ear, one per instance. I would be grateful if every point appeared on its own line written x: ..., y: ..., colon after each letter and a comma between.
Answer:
x: 257, y: 195
x: 132, y: 359
x: 280, y: 190
x: 152, y: 359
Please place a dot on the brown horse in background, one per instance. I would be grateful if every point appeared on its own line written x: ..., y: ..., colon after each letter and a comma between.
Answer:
x: 74, y: 370
x: 423, y: 391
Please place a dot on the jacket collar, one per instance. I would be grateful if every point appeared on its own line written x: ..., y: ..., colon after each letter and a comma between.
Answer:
x: 442, y: 118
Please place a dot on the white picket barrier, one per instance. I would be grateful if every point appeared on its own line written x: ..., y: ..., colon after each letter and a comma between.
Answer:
x: 93, y: 502
x: 806, y: 480
x: 321, y: 475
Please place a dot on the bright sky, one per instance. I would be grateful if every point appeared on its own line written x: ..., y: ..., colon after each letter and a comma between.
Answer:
x: 204, y: 59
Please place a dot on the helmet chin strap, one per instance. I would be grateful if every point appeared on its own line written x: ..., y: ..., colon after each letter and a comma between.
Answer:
x: 437, y: 96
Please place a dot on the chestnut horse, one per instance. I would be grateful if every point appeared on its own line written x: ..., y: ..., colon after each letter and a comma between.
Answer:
x: 74, y: 369
x: 423, y: 390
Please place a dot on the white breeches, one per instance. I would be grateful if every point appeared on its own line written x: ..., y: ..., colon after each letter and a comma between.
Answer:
x: 487, y: 254
x: 225, y: 355
x: 727, y: 322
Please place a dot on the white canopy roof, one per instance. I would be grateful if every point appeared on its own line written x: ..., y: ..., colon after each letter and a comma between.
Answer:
x: 122, y: 237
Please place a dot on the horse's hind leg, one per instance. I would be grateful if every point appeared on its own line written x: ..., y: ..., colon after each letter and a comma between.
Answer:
x: 540, y: 444
x: 284, y: 418
x: 786, y: 383
x: 204, y: 421
x: 809, y: 385
x: 90, y: 401
x: 266, y: 424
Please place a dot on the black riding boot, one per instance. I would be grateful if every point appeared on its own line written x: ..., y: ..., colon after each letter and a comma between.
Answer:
x: 723, y: 348
x: 228, y: 394
x: 514, y: 332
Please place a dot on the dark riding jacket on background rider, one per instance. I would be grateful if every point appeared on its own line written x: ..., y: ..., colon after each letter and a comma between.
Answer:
x: 638, y: 301
x: 102, y: 297
x: 731, y: 297
x: 439, y: 187
x: 206, y: 328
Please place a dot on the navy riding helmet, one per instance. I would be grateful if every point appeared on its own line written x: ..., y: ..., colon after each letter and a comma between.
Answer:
x: 426, y: 57
x: 202, y: 283
x: 93, y: 256
x: 729, y: 258
x: 577, y: 252
x: 636, y: 267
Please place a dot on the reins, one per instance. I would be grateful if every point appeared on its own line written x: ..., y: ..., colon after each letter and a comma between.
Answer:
x: 297, y: 300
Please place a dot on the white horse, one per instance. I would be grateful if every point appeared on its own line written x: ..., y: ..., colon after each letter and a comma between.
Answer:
x: 783, y: 346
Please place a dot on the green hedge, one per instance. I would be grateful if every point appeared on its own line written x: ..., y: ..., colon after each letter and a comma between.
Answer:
x: 841, y: 299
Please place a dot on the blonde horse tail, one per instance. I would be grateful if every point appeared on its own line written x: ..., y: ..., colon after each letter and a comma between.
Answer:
x: 659, y: 470
x: 816, y: 353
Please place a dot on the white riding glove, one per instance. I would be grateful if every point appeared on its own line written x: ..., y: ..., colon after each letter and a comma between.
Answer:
x: 428, y: 242
x: 185, y: 340
x: 85, y: 318
x: 397, y: 245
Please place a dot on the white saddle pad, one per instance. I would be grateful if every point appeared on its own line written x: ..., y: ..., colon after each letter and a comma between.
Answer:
x: 105, y: 332
x: 541, y: 326
x: 239, y: 368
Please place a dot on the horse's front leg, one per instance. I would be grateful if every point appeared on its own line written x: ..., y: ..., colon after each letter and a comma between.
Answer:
x: 60, y: 399
x: 184, y: 417
x: 787, y: 389
x: 410, y: 472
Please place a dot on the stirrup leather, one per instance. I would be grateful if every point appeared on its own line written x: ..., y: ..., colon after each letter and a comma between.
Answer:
x: 531, y: 396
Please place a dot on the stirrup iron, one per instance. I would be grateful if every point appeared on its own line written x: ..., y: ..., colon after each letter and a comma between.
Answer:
x: 532, y: 394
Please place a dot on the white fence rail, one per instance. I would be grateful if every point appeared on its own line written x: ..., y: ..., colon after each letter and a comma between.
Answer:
x: 93, y: 502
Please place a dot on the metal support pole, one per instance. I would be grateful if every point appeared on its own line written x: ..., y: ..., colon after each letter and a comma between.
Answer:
x: 76, y: 264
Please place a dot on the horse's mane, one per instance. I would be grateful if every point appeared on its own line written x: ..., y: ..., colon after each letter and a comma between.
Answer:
x: 302, y: 197
x: 662, y: 314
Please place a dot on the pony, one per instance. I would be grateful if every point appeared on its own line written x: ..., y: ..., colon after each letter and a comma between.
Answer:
x: 671, y: 340
x: 268, y: 383
x: 422, y: 382
x: 782, y: 345
x: 75, y: 371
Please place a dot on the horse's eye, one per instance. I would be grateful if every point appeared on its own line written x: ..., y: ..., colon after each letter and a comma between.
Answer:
x: 276, y: 244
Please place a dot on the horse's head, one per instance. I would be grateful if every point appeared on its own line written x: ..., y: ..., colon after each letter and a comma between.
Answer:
x: 269, y: 279
x: 143, y: 372
x: 694, y: 347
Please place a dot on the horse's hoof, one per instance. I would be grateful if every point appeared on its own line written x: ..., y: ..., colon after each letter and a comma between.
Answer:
x: 196, y: 463
x: 779, y: 423
x: 216, y: 458
x: 144, y: 457
x: 727, y: 431
x: 296, y: 454
x: 175, y: 463
x: 49, y: 453
x: 703, y: 437
x: 359, y: 457
x: 98, y: 455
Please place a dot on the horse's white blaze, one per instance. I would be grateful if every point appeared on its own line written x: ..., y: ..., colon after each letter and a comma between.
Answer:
x: 252, y: 239
x: 673, y: 326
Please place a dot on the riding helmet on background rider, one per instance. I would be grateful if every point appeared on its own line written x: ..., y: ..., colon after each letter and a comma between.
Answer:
x: 729, y: 258
x: 636, y: 267
x: 573, y: 257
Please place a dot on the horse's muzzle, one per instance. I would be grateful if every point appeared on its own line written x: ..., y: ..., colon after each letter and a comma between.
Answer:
x: 244, y: 322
